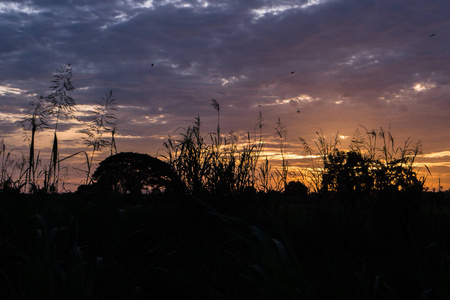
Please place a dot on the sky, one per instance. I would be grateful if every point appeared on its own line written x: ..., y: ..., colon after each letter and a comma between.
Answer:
x: 329, y: 65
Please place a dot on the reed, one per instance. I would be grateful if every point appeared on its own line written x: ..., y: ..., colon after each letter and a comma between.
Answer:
x: 219, y: 167
x: 34, y: 120
x: 52, y: 108
x: 282, y: 174
x: 59, y: 104
x: 13, y: 169
x: 103, y: 122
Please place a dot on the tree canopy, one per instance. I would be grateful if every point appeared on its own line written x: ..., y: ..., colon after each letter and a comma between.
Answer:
x: 372, y: 164
x: 353, y: 171
x: 129, y: 172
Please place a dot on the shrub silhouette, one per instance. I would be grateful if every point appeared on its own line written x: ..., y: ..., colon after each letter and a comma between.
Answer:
x: 372, y: 164
x: 353, y: 172
x: 348, y: 172
x: 129, y: 172
x: 296, y: 189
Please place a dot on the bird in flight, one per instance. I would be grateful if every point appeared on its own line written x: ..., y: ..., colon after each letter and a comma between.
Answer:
x: 431, y: 35
x: 292, y: 72
x: 298, y: 111
x: 153, y: 65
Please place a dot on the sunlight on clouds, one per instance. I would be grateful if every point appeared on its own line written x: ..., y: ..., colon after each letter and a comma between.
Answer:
x: 392, y: 99
x: 433, y: 164
x: 84, y: 110
x: 86, y: 107
x: 232, y: 79
x: 204, y: 3
x: 408, y: 93
x: 148, y: 4
x: 423, y: 86
x: 157, y: 137
x: 294, y: 100
x: 176, y: 3
x: 151, y: 120
x: 132, y: 107
x: 302, y: 98
x: 360, y: 60
x: 436, y: 154
x: 119, y: 18
x: 283, y: 6
x: 17, y: 7
x: 10, y: 117
x: 278, y: 156
x: 10, y: 90
x: 129, y: 136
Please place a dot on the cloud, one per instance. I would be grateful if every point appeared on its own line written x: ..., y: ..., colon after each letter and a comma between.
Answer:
x: 18, y: 7
x: 10, y: 90
x: 436, y: 154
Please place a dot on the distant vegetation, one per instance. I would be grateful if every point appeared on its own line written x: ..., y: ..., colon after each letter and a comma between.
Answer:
x: 215, y: 163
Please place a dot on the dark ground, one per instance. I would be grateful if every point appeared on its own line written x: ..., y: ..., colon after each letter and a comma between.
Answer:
x: 253, y: 246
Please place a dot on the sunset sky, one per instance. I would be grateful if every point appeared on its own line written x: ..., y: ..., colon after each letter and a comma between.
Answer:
x: 369, y: 62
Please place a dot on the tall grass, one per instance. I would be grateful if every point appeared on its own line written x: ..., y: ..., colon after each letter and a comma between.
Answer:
x: 219, y: 167
x: 13, y: 170
x: 44, y: 113
x: 34, y: 120
x: 103, y: 122
x: 322, y: 150
x: 282, y: 174
x: 60, y: 104
x: 226, y: 165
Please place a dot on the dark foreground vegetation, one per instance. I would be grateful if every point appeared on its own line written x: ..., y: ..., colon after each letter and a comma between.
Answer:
x: 250, y: 246
x: 214, y: 219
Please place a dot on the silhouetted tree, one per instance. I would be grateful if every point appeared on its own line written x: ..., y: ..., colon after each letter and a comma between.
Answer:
x: 133, y: 172
x: 348, y: 172
x: 373, y: 164
x: 296, y: 189
x: 354, y: 172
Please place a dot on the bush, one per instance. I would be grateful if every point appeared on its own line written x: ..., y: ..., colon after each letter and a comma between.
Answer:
x: 366, y: 167
x: 133, y: 172
x: 296, y: 189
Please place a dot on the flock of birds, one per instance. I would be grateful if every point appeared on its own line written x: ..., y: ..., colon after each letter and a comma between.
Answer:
x: 293, y: 72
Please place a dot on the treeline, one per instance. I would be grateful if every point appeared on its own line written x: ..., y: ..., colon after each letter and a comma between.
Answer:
x: 214, y: 163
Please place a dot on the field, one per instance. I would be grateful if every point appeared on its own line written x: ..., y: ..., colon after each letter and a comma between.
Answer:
x: 249, y: 246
